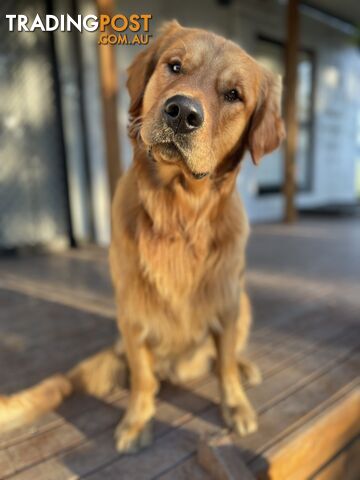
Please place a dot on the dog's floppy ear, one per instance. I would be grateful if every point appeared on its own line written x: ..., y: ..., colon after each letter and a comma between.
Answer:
x: 142, y: 67
x: 267, y: 129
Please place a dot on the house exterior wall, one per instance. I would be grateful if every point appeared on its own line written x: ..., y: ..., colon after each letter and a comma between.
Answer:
x: 336, y: 103
x: 33, y: 188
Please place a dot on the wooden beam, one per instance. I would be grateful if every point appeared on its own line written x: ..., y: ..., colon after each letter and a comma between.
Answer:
x: 109, y: 95
x: 345, y: 465
x: 291, y: 62
x: 302, y: 453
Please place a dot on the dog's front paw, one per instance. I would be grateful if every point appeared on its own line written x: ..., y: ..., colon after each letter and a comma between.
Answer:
x: 242, y: 418
x: 131, y: 437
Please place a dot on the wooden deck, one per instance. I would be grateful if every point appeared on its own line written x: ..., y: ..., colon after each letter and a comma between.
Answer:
x: 304, y: 282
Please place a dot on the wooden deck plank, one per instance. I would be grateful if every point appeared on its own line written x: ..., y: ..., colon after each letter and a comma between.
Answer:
x: 281, y: 419
x: 182, y: 413
x: 182, y: 441
x: 186, y: 470
x: 90, y: 301
x: 59, y: 272
x: 269, y: 359
x: 281, y: 346
x: 301, y: 454
x: 42, y: 445
x: 220, y: 458
x: 7, y: 464
x: 49, y: 344
x: 308, y: 369
x: 51, y: 420
x: 83, y: 281
x: 282, y: 460
x: 291, y: 379
x: 303, y: 299
x: 345, y: 465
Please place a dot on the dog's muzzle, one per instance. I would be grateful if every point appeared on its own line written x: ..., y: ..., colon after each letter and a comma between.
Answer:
x: 183, y: 114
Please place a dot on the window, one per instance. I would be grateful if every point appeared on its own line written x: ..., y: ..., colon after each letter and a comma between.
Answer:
x: 270, y: 176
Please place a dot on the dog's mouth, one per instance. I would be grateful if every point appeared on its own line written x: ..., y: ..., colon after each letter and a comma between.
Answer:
x: 165, y: 146
x: 172, y: 152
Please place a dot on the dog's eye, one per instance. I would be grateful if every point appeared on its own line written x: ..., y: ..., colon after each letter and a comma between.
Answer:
x: 175, y: 67
x: 232, y: 96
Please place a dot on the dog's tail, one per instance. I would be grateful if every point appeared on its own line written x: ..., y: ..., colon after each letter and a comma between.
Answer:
x: 97, y: 375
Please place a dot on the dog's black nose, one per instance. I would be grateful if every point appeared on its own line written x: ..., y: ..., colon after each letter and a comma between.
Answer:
x: 183, y: 114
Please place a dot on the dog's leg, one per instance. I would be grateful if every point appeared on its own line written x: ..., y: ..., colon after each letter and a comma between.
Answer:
x: 134, y: 431
x: 237, y: 410
x: 248, y: 369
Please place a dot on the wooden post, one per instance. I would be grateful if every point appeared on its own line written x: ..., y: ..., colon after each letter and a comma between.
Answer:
x: 291, y: 62
x: 109, y: 94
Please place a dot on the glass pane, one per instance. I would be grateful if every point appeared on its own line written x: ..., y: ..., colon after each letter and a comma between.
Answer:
x: 271, y: 55
x: 304, y: 90
x: 302, y: 156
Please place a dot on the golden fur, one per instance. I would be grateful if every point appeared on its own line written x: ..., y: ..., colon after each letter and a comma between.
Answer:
x: 177, y: 252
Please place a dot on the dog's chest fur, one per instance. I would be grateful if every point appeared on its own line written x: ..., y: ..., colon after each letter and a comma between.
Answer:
x: 174, y: 258
x: 187, y: 267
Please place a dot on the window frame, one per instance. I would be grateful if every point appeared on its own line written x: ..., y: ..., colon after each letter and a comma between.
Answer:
x: 307, y: 186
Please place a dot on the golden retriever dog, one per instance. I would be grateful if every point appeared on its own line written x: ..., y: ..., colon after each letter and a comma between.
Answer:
x: 198, y: 102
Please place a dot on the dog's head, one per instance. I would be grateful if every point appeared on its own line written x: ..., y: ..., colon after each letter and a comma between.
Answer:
x: 200, y: 101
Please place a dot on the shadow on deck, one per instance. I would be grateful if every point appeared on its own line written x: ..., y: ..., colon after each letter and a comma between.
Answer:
x: 304, y: 283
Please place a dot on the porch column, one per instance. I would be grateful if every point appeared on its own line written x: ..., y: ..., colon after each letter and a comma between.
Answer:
x: 291, y: 61
x: 109, y: 95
